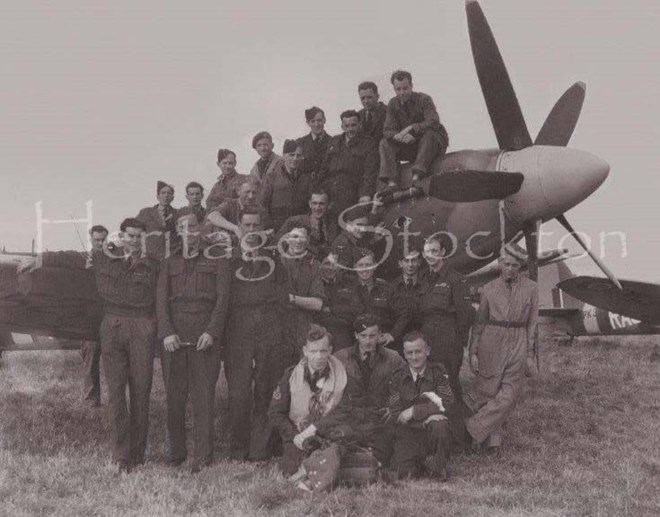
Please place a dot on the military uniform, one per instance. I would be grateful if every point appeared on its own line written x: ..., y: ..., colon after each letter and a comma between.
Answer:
x: 192, y: 298
x: 375, y: 300
x: 402, y: 297
x: 444, y: 312
x: 257, y: 352
x: 314, y: 150
x: 321, y: 236
x: 284, y: 194
x: 431, y: 138
x: 303, y: 279
x: 372, y: 121
x: 231, y: 210
x: 340, y: 309
x: 262, y: 168
x: 159, y: 219
x: 280, y: 409
x: 225, y: 188
x: 349, y: 171
x: 423, y: 443
x: 366, y: 397
x: 127, y: 287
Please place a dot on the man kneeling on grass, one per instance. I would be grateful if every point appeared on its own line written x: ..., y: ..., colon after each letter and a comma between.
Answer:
x: 419, y: 393
x: 306, y: 393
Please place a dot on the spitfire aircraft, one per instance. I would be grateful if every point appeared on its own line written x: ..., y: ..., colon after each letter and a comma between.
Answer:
x: 481, y: 198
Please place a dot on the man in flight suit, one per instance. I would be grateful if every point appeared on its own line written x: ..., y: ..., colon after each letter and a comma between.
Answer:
x: 191, y: 305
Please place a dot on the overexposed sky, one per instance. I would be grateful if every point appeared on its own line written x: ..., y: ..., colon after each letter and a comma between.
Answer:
x: 99, y: 99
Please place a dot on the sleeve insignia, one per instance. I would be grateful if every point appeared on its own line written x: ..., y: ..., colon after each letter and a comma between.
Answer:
x: 277, y: 394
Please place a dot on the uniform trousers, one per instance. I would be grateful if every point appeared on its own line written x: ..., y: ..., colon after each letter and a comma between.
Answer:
x: 127, y: 348
x: 421, y: 449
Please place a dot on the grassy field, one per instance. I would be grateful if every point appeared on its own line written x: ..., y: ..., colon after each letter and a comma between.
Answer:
x: 585, y: 441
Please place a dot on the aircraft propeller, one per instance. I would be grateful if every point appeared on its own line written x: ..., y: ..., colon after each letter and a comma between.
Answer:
x: 509, y: 123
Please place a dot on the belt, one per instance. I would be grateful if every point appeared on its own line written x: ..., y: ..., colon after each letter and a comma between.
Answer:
x: 507, y: 324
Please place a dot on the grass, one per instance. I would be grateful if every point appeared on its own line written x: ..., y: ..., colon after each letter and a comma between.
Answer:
x: 585, y: 441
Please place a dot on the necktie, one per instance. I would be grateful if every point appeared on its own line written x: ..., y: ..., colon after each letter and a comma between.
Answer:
x: 321, y: 233
x: 409, y: 283
x: 366, y: 368
x: 418, y: 382
x: 367, y: 118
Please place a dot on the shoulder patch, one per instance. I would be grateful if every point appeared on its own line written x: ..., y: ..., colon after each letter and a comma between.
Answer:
x: 277, y: 394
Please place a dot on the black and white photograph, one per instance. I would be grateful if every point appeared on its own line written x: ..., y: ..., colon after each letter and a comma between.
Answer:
x: 329, y: 259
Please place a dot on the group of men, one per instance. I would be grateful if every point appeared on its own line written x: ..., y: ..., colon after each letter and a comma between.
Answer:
x: 274, y: 275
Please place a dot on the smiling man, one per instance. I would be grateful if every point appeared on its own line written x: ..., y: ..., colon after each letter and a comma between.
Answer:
x: 315, y: 144
x: 268, y: 160
x: 419, y: 395
x: 412, y: 132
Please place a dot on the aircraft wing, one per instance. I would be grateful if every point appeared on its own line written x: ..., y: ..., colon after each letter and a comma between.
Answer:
x: 558, y: 312
x: 52, y: 301
x: 638, y: 300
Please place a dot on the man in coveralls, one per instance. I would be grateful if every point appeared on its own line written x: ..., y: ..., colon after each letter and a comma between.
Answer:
x: 502, y: 347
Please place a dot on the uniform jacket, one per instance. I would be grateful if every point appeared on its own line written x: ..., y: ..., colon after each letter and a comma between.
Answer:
x: 225, y: 188
x: 231, y: 210
x: 280, y: 404
x: 274, y: 162
x: 402, y: 300
x: 350, y: 168
x: 419, y: 111
x: 127, y: 286
x: 284, y: 195
x: 198, y: 285
x: 374, y: 127
x: 153, y: 220
x: 372, y: 394
x: 318, y: 239
x: 404, y: 393
x: 313, y: 151
x: 375, y: 300
x: 445, y: 300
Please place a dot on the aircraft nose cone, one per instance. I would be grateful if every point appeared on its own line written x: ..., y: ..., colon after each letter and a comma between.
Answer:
x: 568, y: 176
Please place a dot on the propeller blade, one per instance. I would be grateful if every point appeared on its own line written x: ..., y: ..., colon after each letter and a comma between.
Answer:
x: 531, y: 231
x: 564, y: 222
x: 638, y: 300
x: 471, y: 186
x: 560, y: 124
x: 501, y: 101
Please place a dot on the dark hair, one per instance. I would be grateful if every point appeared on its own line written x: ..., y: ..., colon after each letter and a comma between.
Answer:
x: 317, y: 332
x: 364, y: 321
x: 312, y: 112
x: 368, y: 85
x: 251, y: 180
x: 319, y: 191
x: 223, y: 153
x: 359, y: 253
x: 414, y: 335
x: 444, y: 240
x: 97, y: 228
x: 132, y: 222
x: 194, y: 184
x: 400, y: 75
x: 248, y: 210
x: 349, y: 114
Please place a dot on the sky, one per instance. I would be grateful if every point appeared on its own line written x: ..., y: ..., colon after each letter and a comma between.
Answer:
x: 99, y: 100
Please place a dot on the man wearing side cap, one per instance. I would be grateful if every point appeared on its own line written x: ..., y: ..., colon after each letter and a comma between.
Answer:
x: 286, y: 190
x: 160, y: 221
x: 315, y: 143
x: 228, y: 182
x: 268, y: 161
